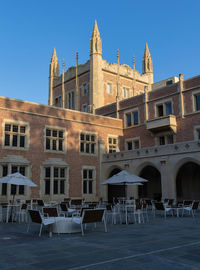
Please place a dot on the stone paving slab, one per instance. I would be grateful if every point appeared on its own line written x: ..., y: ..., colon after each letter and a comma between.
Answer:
x: 171, y: 244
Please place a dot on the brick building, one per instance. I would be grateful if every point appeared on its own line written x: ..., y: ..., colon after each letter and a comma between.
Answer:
x: 103, y: 118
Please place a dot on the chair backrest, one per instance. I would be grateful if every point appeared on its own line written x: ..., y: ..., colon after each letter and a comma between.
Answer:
x: 171, y: 201
x: 138, y: 206
x: 93, y: 204
x: 148, y: 202
x: 67, y: 199
x: 187, y: 202
x: 24, y: 206
x: 50, y: 211
x: 63, y: 207
x: 159, y: 206
x: 195, y: 205
x: 35, y: 216
x: 40, y: 202
x: 108, y: 207
x: 76, y: 202
x: 92, y: 215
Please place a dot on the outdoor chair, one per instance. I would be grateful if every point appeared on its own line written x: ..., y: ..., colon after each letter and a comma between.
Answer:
x: 113, y: 212
x: 36, y: 217
x: 91, y: 216
x: 159, y: 207
x: 76, y: 202
x: 191, y: 209
x: 21, y: 214
x: 138, y: 213
x: 187, y: 203
x: 64, y: 209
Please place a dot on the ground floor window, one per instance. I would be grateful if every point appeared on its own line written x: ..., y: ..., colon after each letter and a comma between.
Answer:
x: 89, y: 180
x: 55, y: 180
x: 7, y: 169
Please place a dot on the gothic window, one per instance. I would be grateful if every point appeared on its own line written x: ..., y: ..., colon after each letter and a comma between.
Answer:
x: 197, y: 102
x: 132, y: 119
x: 125, y: 92
x: 112, y: 144
x: 133, y: 144
x: 88, y: 180
x: 109, y: 88
x: 164, y: 109
x: 70, y: 98
x: 165, y: 139
x: 55, y: 180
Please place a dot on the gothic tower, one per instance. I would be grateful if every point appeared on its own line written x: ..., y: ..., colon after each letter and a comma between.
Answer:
x: 147, y: 65
x: 53, y: 74
x: 96, y: 77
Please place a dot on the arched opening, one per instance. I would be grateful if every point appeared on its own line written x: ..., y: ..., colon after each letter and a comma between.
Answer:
x: 151, y: 189
x: 115, y: 190
x: 188, y: 182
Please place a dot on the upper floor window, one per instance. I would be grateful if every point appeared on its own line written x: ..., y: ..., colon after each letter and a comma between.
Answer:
x: 164, y: 109
x: 85, y: 89
x: 70, y: 103
x: 125, y: 92
x: 109, y: 88
x: 166, y: 139
x: 58, y: 101
x: 112, y: 144
x: 197, y: 102
x: 15, y: 135
x: 133, y: 144
x: 132, y: 119
x: 54, y: 139
x: 87, y: 143
x: 84, y: 108
x: 57, y: 175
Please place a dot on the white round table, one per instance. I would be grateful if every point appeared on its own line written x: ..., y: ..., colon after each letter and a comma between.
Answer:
x: 65, y: 225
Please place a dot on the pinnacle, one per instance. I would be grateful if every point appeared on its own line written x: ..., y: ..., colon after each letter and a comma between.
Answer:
x: 95, y: 30
x: 54, y: 56
x: 146, y: 51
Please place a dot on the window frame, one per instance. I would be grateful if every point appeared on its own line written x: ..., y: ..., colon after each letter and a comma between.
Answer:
x: 110, y: 91
x: 94, y: 188
x: 90, y: 142
x: 18, y: 134
x: 132, y: 112
x: 125, y: 91
x: 132, y: 140
x: 64, y: 139
x: 113, y: 146
x: 164, y: 108
x: 194, y: 104
x: 165, y: 136
x: 71, y: 100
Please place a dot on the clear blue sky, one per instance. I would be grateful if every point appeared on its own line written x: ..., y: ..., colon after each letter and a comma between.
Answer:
x: 31, y: 29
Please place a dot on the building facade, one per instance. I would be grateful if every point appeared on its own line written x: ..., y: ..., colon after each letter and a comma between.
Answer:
x: 103, y: 118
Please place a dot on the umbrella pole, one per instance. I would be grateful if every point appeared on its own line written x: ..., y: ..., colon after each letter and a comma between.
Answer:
x: 11, y: 210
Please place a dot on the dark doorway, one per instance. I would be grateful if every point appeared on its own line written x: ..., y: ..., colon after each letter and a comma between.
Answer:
x: 151, y: 189
x: 115, y: 190
x: 188, y: 182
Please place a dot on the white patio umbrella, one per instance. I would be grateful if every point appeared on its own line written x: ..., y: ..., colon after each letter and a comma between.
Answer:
x: 125, y: 178
x: 17, y: 179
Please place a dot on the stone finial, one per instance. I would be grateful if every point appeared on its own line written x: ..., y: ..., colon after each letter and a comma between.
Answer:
x: 118, y: 56
x: 95, y: 41
x: 134, y: 62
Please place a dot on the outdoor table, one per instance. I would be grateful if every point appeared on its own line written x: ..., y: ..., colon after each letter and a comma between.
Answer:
x: 65, y: 225
x: 11, y: 208
x: 131, y: 206
x: 176, y: 209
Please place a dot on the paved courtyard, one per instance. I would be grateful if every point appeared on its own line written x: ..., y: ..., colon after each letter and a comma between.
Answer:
x: 171, y: 244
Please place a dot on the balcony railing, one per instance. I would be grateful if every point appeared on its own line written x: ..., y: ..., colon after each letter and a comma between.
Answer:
x: 166, y: 123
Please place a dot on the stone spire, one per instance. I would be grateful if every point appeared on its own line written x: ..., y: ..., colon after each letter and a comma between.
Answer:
x: 63, y: 85
x: 53, y: 74
x: 95, y: 41
x: 147, y: 66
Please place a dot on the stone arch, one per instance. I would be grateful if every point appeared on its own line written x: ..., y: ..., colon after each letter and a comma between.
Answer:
x: 188, y: 180
x: 111, y: 169
x: 151, y: 189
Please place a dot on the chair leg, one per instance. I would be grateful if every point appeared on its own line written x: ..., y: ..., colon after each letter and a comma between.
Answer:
x: 40, y: 230
x: 28, y: 226
x: 105, y: 227
x: 82, y: 229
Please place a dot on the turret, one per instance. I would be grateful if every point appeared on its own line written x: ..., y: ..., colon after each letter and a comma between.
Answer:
x: 53, y: 73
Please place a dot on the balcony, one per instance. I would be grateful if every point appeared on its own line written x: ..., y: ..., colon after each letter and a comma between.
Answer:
x: 166, y: 123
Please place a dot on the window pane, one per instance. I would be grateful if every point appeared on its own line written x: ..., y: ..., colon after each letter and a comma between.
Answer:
x: 198, y: 133
x: 13, y: 189
x: 62, y: 187
x: 136, y: 144
x: 62, y: 172
x: 87, y: 148
x: 7, y: 127
x: 85, y: 187
x: 135, y: 118
x: 170, y: 139
x: 110, y: 140
x: 54, y: 145
x: 82, y: 137
x: 55, y: 133
x: 47, y: 172
x: 128, y: 119
x: 15, y: 128
x: 60, y: 134
x: 5, y: 170
x: 7, y: 139
x: 82, y: 147
x: 48, y: 132
x: 85, y: 174
x: 22, y: 170
x: 92, y: 138
x: 162, y: 140
x: 22, y: 129
x: 21, y: 190
x: 72, y: 100
x: 114, y: 141
x: 47, y: 186
x: 160, y: 110
x: 92, y: 148
x: 197, y: 101
x: 14, y: 142
x: 47, y: 144
x: 90, y: 187
x: 22, y: 141
x: 55, y: 187
x: 168, y: 108
x: 60, y: 145
x: 87, y: 137
x: 90, y: 174
x: 4, y: 189
x: 129, y: 145
x: 14, y: 169
x: 55, y: 172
